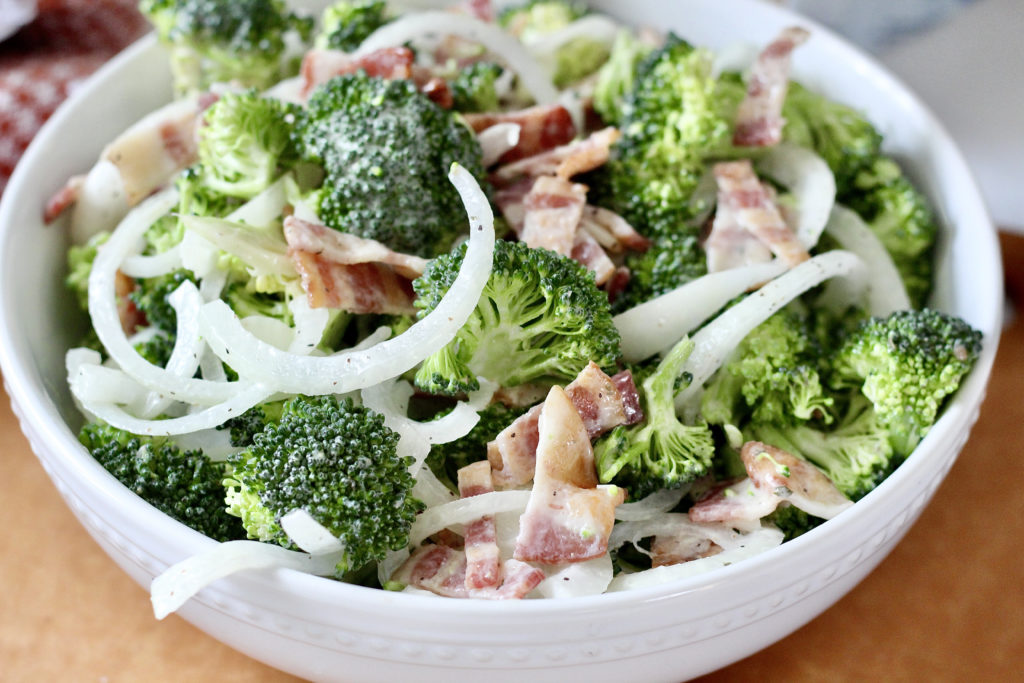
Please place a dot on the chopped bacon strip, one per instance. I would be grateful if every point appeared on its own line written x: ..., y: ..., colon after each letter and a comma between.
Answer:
x: 564, y: 161
x: 612, y: 230
x: 586, y: 250
x: 773, y: 477
x: 63, y: 198
x: 568, y: 518
x: 358, y: 287
x: 344, y: 248
x: 687, y: 542
x: 438, y: 91
x: 730, y: 244
x: 129, y: 314
x: 442, y: 570
x: 542, y: 127
x: 320, y: 66
x: 618, y: 283
x: 602, y: 402
x: 483, y: 567
x: 553, y: 210
x: 759, y: 119
x: 742, y: 194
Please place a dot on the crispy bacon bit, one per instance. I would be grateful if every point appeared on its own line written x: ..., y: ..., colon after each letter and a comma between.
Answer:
x: 612, y: 230
x: 586, y: 250
x: 442, y: 570
x: 358, y: 287
x: 129, y: 314
x: 483, y: 567
x: 344, y: 248
x: 63, y: 198
x: 742, y: 194
x: 687, y: 542
x: 320, y: 66
x: 564, y: 161
x: 740, y: 504
x: 730, y: 244
x: 759, y: 119
x: 553, y: 209
x: 618, y: 283
x: 438, y: 91
x: 601, y: 402
x: 568, y: 518
x: 542, y: 127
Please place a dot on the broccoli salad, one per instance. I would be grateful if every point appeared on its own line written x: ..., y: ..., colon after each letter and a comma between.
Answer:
x: 495, y: 304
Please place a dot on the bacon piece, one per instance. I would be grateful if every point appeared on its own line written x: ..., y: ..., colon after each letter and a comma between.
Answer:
x: 553, y: 209
x: 742, y: 194
x: 602, y: 403
x: 483, y: 568
x: 564, y: 161
x: 587, y: 251
x: 127, y: 312
x: 438, y: 91
x: 740, y: 504
x: 320, y: 66
x: 730, y: 244
x: 442, y: 570
x: 344, y: 248
x: 688, y: 541
x: 63, y: 198
x: 542, y: 127
x: 358, y: 287
x: 612, y: 231
x: 618, y: 283
x: 511, y: 200
x: 759, y: 119
x: 568, y: 518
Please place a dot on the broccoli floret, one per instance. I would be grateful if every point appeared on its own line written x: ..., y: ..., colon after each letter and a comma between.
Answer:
x: 157, y: 349
x: 898, y: 214
x: 792, y: 521
x: 386, y: 150
x: 616, y: 78
x: 338, y: 462
x: 473, y: 88
x: 446, y: 459
x: 214, y: 41
x: 540, y: 317
x: 183, y: 484
x: 345, y: 25
x: 772, y: 377
x: 150, y: 297
x: 80, y: 260
x: 246, y: 426
x: 857, y: 455
x: 670, y: 261
x: 570, y: 62
x: 906, y: 365
x: 195, y: 198
x: 244, y: 141
x: 661, y: 452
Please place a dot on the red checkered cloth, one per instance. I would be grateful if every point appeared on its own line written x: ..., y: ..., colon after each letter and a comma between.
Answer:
x: 44, y: 61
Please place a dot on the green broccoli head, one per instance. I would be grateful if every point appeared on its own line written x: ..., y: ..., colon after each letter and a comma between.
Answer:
x: 617, y: 76
x: 244, y: 141
x: 150, y: 297
x: 345, y: 25
x: 473, y: 88
x: 540, y: 317
x: 244, y: 428
x: 906, y: 365
x: 183, y: 484
x: 570, y: 62
x: 446, y: 459
x: 772, y: 377
x: 216, y: 41
x: 338, y: 462
x: 157, y: 349
x: 856, y: 455
x: 386, y: 150
x: 792, y: 521
x: 195, y: 198
x: 80, y: 260
x: 670, y: 261
x: 660, y: 452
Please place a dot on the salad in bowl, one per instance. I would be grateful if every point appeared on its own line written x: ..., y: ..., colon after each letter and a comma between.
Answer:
x: 510, y: 304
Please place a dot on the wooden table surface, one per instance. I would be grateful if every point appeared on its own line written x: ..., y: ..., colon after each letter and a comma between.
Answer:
x: 946, y: 605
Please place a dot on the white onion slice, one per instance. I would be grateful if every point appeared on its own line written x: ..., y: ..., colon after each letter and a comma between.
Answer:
x: 188, y: 345
x: 173, y: 588
x: 809, y: 180
x: 491, y: 36
x: 310, y: 535
x: 265, y: 254
x: 263, y: 209
x: 597, y: 27
x: 310, y: 324
x: 657, y: 503
x: 716, y: 340
x: 358, y: 369
x: 430, y: 490
x: 578, y: 578
x: 465, y: 510
x: 153, y: 266
x: 655, y: 325
x: 498, y: 139
x: 886, y: 292
x: 673, y: 524
x: 753, y: 543
x: 92, y: 383
x: 214, y: 443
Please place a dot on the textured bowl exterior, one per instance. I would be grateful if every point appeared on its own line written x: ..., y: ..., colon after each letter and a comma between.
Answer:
x: 323, y: 630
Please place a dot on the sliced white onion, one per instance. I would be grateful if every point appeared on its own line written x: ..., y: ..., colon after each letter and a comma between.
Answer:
x: 211, y: 368
x: 263, y: 209
x: 809, y: 180
x: 465, y: 510
x: 199, y: 255
x: 310, y: 324
x: 153, y: 266
x: 92, y: 383
x: 269, y: 330
x: 654, y: 326
x: 673, y: 524
x: 351, y: 370
x: 390, y: 564
x: 716, y: 340
x: 578, y: 578
x: 264, y: 253
x: 597, y: 27
x: 496, y: 140
x: 753, y: 543
x: 101, y: 204
x: 214, y: 443
x: 886, y: 292
x: 658, y: 502
x: 188, y: 345
x: 430, y: 490
x: 173, y: 588
x: 310, y: 535
x: 491, y: 36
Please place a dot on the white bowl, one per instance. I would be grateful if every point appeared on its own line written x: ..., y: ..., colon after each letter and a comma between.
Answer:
x: 321, y: 629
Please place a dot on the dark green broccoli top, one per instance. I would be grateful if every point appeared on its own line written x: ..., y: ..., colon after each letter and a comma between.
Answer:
x: 386, y: 149
x: 345, y: 25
